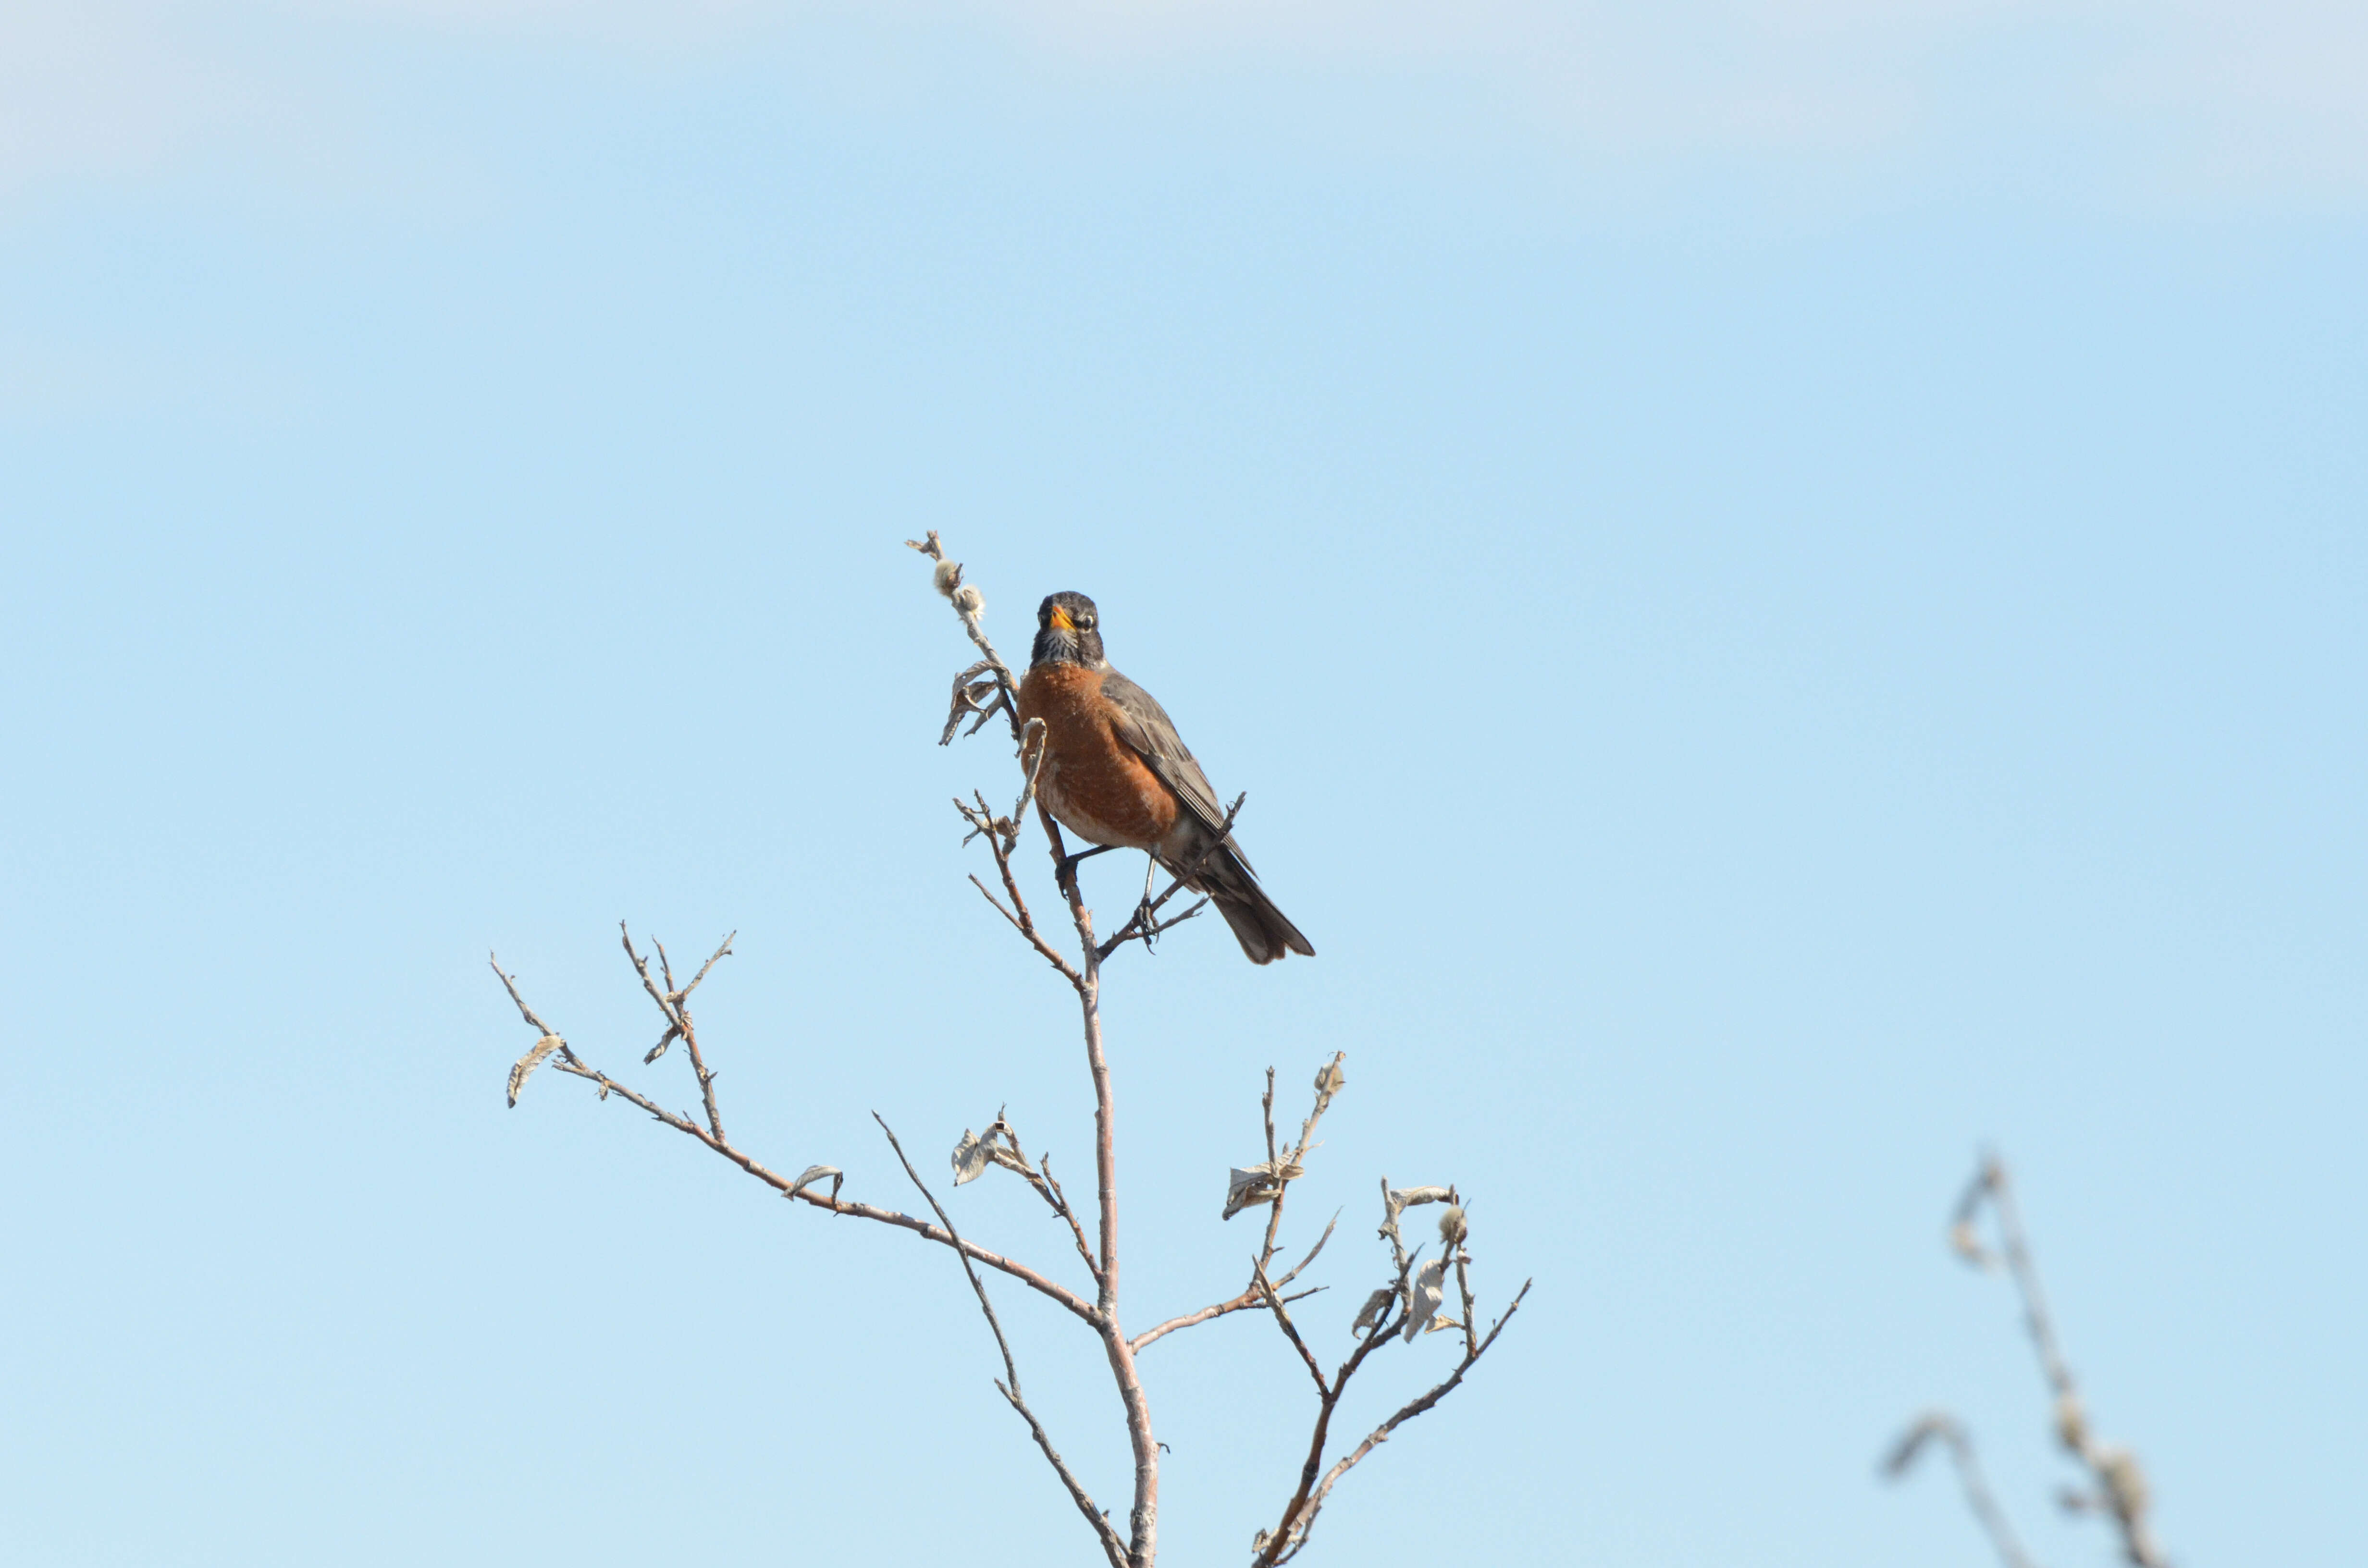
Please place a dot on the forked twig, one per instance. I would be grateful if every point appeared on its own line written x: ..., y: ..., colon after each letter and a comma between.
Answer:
x: 1295, y: 1531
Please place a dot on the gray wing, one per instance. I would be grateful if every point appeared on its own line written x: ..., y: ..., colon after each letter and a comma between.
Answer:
x: 1145, y: 727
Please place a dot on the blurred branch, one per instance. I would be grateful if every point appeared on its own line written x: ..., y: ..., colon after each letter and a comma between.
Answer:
x: 1942, y: 1428
x: 2118, y: 1485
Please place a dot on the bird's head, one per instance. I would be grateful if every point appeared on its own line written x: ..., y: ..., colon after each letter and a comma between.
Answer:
x: 1068, y: 631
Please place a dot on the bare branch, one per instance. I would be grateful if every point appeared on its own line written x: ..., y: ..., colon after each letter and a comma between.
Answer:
x: 1025, y: 927
x: 571, y: 1063
x: 1251, y: 1298
x: 1292, y: 1534
x: 1329, y: 1081
x: 1013, y: 1158
x: 1001, y: 835
x: 1267, y: 1184
x: 511, y: 987
x: 1294, y: 1514
x: 723, y: 950
x: 677, y: 1017
x: 1282, y: 1319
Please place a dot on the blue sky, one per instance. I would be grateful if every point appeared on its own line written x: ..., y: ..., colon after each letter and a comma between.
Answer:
x: 1785, y: 582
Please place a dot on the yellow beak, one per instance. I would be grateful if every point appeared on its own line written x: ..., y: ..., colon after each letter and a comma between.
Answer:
x: 1060, y: 621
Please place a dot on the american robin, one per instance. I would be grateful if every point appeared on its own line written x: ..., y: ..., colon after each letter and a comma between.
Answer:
x: 1118, y: 774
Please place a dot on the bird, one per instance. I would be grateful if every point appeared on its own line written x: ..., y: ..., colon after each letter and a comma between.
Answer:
x: 1116, y: 773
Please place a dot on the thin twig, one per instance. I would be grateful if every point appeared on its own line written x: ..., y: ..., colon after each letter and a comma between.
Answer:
x: 1290, y: 1332
x: 510, y: 985
x: 1112, y: 1545
x: 677, y: 1017
x: 1253, y: 1297
x: 1011, y: 1367
x: 1015, y: 1159
x: 1945, y: 1428
x: 1000, y: 838
x: 1061, y: 1206
x: 1294, y: 1520
x: 569, y: 1061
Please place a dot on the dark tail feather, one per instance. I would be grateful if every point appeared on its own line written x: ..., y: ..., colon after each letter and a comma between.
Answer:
x: 1263, y: 931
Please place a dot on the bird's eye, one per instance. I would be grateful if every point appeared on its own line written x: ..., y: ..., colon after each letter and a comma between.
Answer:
x: 1085, y: 623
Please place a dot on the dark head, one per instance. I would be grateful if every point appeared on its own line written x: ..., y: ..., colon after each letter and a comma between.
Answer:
x: 1068, y: 632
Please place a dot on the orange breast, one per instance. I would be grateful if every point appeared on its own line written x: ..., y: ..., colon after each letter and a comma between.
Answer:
x: 1092, y: 783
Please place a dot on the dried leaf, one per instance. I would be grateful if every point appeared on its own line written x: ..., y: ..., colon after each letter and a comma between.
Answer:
x: 1246, y: 1187
x: 660, y: 1049
x: 970, y: 1156
x: 1329, y: 1081
x: 1424, y: 1296
x: 533, y: 1059
x: 1407, y: 1197
x: 1371, y: 1312
x: 1452, y: 1228
x: 1259, y: 1184
x: 814, y: 1173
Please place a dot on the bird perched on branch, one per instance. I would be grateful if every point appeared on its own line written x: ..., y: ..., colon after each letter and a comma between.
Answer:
x: 1117, y: 774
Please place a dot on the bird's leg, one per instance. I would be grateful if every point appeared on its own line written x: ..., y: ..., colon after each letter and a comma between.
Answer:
x: 1068, y: 864
x: 1145, y: 915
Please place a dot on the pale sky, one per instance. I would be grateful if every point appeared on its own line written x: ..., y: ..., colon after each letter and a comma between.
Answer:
x: 1786, y: 583
x: 2178, y: 106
